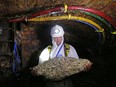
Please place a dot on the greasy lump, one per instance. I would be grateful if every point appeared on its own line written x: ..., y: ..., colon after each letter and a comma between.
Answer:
x: 59, y: 68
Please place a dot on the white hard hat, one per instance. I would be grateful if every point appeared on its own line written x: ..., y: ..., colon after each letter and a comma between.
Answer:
x: 57, y: 31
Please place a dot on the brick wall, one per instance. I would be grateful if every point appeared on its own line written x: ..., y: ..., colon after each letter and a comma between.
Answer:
x: 28, y: 39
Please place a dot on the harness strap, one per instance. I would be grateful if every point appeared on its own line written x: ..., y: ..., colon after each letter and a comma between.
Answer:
x: 67, y: 47
x: 49, y: 48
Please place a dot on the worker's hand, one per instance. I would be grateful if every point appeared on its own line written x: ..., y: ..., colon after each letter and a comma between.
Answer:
x: 33, y: 72
x: 88, y: 66
x: 54, y: 44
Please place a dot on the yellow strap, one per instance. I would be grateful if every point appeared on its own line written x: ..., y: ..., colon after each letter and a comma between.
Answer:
x: 113, y: 32
x: 49, y: 48
x: 100, y: 30
x: 67, y: 47
x: 65, y: 8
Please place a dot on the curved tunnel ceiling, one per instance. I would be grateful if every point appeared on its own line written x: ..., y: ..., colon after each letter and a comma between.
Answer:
x: 92, y: 21
x: 81, y: 34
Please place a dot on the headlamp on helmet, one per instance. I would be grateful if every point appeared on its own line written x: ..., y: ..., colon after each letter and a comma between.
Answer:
x: 57, y: 31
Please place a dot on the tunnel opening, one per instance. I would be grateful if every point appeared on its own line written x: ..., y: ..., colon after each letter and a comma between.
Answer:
x: 87, y: 42
x: 82, y: 36
x: 102, y: 26
x: 90, y: 43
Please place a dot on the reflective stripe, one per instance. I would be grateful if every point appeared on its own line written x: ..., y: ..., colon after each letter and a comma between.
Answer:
x: 67, y: 47
x: 49, y: 48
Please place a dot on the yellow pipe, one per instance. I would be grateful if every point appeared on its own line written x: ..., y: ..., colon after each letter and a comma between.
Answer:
x: 65, y: 8
x: 69, y: 17
x: 113, y: 32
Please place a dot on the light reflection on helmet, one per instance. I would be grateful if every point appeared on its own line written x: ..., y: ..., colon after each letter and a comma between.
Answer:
x: 57, y: 31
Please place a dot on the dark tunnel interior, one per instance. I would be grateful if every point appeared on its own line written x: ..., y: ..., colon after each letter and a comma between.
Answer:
x: 82, y: 36
x: 89, y: 25
x: 89, y: 44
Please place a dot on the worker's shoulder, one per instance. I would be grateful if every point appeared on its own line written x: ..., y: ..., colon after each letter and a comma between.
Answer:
x: 67, y: 44
x: 70, y: 46
x: 49, y: 47
x: 46, y: 48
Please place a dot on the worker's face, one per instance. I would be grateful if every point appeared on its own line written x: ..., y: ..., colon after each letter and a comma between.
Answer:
x: 58, y: 40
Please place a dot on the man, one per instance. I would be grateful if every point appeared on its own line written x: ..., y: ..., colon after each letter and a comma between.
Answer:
x: 58, y: 49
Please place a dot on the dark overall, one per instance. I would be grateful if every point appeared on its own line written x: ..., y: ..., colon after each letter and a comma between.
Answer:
x: 67, y: 82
